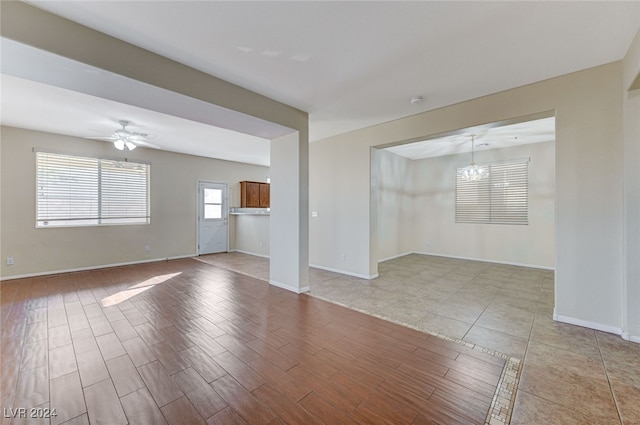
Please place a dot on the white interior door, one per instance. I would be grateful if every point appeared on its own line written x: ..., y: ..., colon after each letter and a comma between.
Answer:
x: 213, y: 231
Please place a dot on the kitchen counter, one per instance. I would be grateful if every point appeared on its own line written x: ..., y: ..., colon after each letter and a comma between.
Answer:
x: 249, y: 211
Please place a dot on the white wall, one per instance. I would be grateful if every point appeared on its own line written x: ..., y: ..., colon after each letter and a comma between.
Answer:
x: 172, y: 232
x: 339, y: 189
x: 589, y: 185
x: 289, y: 219
x: 632, y: 190
x: 415, y: 203
x: 251, y: 233
x: 395, y: 193
x: 433, y: 223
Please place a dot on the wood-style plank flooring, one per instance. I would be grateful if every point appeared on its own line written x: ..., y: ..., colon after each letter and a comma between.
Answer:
x: 184, y: 342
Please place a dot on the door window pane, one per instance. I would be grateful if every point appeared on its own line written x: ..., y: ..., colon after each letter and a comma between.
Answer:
x: 212, y: 211
x: 212, y: 196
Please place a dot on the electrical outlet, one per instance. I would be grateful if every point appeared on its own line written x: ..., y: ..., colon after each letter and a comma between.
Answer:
x: 147, y: 248
x: 9, y: 261
x: 344, y: 257
x: 260, y: 244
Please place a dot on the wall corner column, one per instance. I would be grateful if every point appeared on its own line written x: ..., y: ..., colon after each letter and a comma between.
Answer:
x: 631, y: 242
x: 289, y: 222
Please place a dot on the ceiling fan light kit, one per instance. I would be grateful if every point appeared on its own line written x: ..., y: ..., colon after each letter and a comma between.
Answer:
x: 125, y: 139
x: 121, y: 145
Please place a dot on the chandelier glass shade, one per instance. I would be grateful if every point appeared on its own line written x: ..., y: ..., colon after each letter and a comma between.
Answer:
x: 473, y: 172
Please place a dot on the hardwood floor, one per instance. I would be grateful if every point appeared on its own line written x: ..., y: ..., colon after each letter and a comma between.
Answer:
x: 184, y: 342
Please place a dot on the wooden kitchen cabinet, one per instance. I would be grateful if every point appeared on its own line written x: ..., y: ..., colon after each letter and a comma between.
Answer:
x: 254, y: 194
x: 265, y: 195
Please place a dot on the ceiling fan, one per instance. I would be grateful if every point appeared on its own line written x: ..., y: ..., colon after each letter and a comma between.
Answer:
x: 126, y: 139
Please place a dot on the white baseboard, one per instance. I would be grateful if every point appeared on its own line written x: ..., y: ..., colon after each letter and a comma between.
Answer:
x: 393, y: 257
x: 289, y: 287
x: 508, y: 263
x: 632, y: 334
x: 249, y: 253
x: 587, y: 324
x: 100, y: 266
x: 348, y: 273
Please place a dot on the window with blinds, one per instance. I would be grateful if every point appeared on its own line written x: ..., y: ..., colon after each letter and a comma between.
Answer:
x: 78, y: 191
x: 500, y: 198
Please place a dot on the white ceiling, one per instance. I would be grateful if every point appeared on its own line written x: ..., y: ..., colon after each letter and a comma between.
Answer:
x: 485, y: 137
x: 350, y: 64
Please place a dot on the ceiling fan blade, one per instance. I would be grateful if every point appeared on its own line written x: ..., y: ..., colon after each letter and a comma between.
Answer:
x: 145, y: 144
x: 109, y: 138
x: 138, y: 139
x: 138, y: 136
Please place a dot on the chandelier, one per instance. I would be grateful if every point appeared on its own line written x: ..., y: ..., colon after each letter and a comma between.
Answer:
x: 472, y: 172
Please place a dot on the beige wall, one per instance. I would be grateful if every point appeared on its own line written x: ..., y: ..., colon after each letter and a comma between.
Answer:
x: 251, y: 234
x: 589, y: 195
x: 434, y: 229
x: 172, y: 232
x: 415, y: 203
x: 632, y: 188
x: 339, y: 187
x: 394, y: 190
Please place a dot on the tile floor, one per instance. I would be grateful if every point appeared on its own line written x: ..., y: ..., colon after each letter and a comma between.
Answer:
x: 569, y: 374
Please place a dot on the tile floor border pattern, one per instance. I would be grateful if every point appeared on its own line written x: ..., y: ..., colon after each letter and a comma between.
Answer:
x: 504, y: 398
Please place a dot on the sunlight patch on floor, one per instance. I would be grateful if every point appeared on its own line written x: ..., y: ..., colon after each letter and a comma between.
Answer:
x: 136, y: 289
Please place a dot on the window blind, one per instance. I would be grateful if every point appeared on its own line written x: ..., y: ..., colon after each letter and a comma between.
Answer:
x: 500, y: 198
x: 79, y: 191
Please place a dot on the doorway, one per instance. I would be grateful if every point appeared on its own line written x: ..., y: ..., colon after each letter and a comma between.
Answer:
x: 213, y: 215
